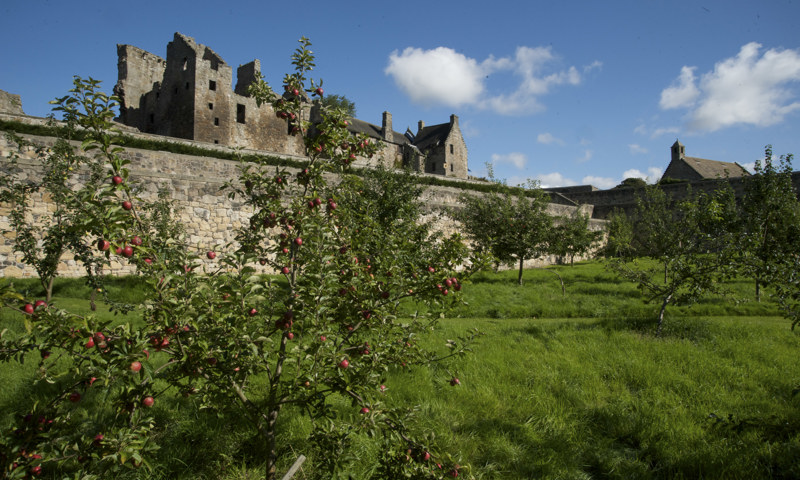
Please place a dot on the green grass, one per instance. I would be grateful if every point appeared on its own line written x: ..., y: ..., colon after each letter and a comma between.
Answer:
x: 572, y: 387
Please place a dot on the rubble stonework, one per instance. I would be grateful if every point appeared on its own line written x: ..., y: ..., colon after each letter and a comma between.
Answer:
x: 208, y: 215
x: 191, y: 95
x: 10, y: 103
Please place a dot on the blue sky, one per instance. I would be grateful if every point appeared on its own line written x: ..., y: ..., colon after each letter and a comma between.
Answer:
x: 563, y: 92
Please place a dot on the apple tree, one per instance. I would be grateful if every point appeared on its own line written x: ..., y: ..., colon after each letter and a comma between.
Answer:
x: 770, y: 214
x: 328, y: 329
x: 572, y: 236
x: 94, y: 386
x: 696, y: 261
x: 511, y: 225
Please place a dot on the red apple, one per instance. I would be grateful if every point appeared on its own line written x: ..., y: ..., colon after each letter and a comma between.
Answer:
x: 455, y: 381
x: 127, y: 251
x: 298, y: 241
x: 148, y: 261
x: 252, y: 312
x: 322, y: 338
x: 36, y: 471
x: 262, y: 261
x: 290, y: 336
x: 98, y: 438
x: 127, y: 205
x: 103, y: 245
x: 89, y: 343
x: 211, y: 255
x: 116, y: 180
x: 148, y: 401
x: 319, y: 91
x: 136, y: 240
x: 74, y: 397
x: 285, y: 270
x: 28, y: 308
x: 136, y: 366
x: 365, y: 410
x: 344, y: 363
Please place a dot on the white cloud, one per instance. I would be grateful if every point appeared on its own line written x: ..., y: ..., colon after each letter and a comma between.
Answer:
x: 636, y: 149
x: 750, y: 88
x: 442, y: 76
x: 683, y: 91
x: 515, y: 158
x: 653, y: 174
x: 602, y: 183
x: 555, y: 179
x: 548, y: 139
x: 750, y: 167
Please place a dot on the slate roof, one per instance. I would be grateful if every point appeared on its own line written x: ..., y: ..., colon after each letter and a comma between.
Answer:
x: 708, y: 169
x: 430, y: 137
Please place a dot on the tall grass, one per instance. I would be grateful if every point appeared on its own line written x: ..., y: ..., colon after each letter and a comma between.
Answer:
x: 574, y: 386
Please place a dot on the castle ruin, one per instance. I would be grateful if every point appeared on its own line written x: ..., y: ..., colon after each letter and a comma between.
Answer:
x: 191, y: 95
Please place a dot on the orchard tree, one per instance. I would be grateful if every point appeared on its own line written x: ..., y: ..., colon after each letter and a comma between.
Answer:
x: 698, y: 259
x: 655, y: 225
x: 327, y: 330
x: 95, y: 422
x: 619, y: 235
x: 770, y: 218
x: 572, y: 236
x: 512, y: 227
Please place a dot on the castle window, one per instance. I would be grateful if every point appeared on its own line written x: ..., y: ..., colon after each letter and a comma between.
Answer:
x: 175, y: 91
x: 210, y: 106
x: 152, y: 119
x: 451, y: 148
x: 187, y: 86
x: 239, y: 113
x: 185, y: 64
x: 216, y: 141
x: 216, y: 121
x: 212, y: 85
x: 451, y: 165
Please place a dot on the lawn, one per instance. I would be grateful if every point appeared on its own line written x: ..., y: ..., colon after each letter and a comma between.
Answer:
x: 558, y: 386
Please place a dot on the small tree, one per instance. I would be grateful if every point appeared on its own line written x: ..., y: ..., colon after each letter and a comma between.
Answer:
x: 619, y: 235
x: 699, y: 258
x: 655, y: 227
x: 573, y: 236
x: 512, y: 227
x: 770, y: 218
x: 244, y: 344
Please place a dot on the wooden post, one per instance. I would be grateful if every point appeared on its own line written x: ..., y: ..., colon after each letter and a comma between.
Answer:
x: 295, y: 467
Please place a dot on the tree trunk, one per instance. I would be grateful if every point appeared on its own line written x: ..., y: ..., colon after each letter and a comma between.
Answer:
x: 48, y: 288
x: 519, y: 279
x: 661, y: 314
x: 758, y: 291
x: 666, y: 272
x: 272, y: 452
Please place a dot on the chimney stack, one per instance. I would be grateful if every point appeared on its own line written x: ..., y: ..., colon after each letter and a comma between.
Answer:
x: 386, y: 130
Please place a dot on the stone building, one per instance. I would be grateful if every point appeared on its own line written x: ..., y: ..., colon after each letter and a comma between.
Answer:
x: 693, y: 169
x: 191, y: 95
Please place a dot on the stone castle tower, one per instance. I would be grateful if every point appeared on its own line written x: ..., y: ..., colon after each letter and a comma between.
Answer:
x: 191, y: 95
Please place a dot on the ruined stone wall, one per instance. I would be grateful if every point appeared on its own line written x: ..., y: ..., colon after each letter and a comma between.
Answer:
x: 10, y: 103
x: 139, y: 78
x: 194, y: 182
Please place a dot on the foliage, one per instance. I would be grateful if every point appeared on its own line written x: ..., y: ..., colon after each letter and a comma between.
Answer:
x: 619, y: 238
x: 511, y: 227
x: 572, y: 236
x: 696, y: 251
x: 632, y: 182
x: 770, y: 218
x: 340, y: 102
x: 241, y: 344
